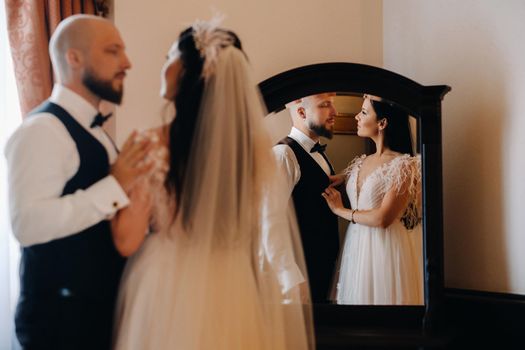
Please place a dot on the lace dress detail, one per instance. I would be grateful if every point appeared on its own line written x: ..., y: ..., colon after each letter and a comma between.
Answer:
x: 162, y: 210
x: 383, y: 265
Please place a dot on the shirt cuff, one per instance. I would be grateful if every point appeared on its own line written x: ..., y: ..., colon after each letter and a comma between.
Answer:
x: 108, y: 196
x: 290, y: 278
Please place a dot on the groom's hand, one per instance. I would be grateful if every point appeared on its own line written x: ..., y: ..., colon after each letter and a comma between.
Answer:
x: 130, y: 164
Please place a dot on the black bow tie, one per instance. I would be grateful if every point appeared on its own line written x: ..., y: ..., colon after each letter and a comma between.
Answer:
x: 318, y: 148
x: 100, y: 119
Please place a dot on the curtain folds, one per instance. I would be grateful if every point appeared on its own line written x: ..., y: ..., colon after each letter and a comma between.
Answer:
x: 30, y: 24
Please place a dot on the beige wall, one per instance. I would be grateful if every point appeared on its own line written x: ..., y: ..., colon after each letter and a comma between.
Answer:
x: 473, y: 46
x: 277, y: 35
x: 476, y: 47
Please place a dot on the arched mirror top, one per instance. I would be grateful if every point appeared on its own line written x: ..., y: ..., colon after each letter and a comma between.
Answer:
x: 349, y: 77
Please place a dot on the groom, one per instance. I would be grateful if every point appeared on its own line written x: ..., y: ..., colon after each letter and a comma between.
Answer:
x: 303, y: 159
x: 63, y: 191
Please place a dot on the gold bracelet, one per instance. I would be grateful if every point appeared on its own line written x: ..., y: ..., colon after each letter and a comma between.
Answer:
x: 352, y: 216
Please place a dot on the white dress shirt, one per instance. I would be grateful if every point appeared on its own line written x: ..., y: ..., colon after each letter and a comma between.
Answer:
x: 288, y: 161
x: 41, y: 157
x: 278, y: 248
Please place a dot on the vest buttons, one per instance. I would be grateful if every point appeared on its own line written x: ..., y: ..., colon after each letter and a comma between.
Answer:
x: 115, y: 204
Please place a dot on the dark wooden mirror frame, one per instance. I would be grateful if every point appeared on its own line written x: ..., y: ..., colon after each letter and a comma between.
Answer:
x: 422, y: 102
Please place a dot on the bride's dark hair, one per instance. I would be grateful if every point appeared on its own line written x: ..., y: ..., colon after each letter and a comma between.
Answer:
x: 399, y: 139
x: 397, y: 133
x: 190, y: 87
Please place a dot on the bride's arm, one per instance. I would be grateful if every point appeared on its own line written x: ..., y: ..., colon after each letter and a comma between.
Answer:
x: 393, y: 203
x: 130, y: 225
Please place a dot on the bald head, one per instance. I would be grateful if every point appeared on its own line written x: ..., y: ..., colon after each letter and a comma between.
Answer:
x: 76, y: 32
x: 298, y: 107
x: 88, y: 56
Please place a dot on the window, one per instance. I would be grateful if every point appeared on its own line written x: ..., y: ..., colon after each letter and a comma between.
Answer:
x: 10, y: 118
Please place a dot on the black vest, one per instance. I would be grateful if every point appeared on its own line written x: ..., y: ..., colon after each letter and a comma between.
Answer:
x: 317, y: 223
x: 85, y: 264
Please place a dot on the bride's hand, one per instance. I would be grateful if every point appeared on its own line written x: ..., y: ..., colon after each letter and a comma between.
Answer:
x: 333, y: 199
x: 336, y: 180
x: 130, y: 165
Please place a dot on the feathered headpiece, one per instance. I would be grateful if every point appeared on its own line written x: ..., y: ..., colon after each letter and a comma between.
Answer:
x: 210, y: 40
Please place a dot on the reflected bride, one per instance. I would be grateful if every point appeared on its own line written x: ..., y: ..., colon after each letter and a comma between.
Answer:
x: 381, y: 262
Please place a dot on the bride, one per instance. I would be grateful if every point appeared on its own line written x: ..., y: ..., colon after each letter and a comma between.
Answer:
x: 205, y: 278
x: 381, y: 261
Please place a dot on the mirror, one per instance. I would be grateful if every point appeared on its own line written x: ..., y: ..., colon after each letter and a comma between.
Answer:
x: 373, y: 265
x: 423, y: 103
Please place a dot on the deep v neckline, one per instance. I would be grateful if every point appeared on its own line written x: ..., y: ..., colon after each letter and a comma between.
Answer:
x: 358, y: 173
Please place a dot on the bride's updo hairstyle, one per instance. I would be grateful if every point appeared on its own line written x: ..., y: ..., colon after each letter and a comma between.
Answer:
x: 187, y: 102
x: 397, y: 133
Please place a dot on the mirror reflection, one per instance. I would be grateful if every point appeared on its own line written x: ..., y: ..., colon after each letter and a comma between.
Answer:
x: 354, y: 178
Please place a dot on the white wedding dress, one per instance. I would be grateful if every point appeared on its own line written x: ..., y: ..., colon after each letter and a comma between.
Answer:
x: 383, y: 266
x: 155, y: 312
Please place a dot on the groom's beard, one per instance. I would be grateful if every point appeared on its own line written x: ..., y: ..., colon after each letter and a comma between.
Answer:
x: 102, y: 88
x: 321, y: 130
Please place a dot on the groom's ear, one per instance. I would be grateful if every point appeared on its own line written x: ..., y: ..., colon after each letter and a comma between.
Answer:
x: 301, y: 112
x: 74, y: 58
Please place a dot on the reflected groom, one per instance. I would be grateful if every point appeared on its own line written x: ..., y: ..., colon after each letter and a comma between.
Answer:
x: 303, y: 159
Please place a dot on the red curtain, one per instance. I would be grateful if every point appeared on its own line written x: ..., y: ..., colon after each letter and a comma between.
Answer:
x: 30, y: 25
